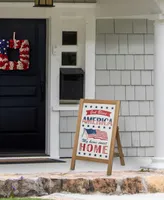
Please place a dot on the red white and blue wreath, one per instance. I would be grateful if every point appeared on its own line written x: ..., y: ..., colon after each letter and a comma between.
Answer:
x: 24, y: 49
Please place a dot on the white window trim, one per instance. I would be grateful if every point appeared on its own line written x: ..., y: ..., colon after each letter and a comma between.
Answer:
x: 90, y: 45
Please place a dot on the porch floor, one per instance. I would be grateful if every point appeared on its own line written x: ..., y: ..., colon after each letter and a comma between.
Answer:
x: 131, y: 163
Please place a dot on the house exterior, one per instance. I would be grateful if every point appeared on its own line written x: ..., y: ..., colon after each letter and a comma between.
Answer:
x: 115, y: 47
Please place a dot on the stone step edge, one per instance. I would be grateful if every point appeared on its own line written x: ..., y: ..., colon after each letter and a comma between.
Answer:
x: 40, y: 186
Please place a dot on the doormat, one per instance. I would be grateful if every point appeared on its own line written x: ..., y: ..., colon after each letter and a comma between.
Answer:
x: 30, y: 160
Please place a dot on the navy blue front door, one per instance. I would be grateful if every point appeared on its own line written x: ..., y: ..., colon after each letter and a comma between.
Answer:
x: 22, y: 93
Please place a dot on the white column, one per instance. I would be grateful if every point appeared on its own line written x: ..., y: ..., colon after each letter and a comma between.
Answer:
x: 158, y: 160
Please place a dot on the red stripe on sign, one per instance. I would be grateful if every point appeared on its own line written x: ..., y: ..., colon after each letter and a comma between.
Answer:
x: 98, y: 112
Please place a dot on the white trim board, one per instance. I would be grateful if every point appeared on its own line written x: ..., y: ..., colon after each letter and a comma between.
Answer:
x: 90, y: 57
x: 56, y: 5
x: 66, y: 107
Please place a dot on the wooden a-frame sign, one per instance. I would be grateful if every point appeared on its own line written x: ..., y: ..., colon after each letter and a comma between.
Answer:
x: 96, y: 133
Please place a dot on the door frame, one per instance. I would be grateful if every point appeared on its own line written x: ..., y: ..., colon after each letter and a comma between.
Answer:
x: 52, y: 117
x: 51, y: 84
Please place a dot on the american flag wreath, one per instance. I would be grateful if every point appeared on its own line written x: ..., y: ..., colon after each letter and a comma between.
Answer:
x: 24, y: 57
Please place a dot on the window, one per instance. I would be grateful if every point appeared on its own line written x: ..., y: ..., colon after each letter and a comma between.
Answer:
x: 69, y: 42
x: 69, y: 38
x: 72, y: 62
x: 69, y: 58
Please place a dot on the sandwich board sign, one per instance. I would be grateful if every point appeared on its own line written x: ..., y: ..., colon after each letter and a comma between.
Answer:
x: 96, y: 133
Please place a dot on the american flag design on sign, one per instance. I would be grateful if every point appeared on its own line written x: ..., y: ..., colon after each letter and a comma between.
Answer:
x: 95, y: 134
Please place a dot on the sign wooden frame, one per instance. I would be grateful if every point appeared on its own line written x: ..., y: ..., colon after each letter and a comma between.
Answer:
x: 115, y: 136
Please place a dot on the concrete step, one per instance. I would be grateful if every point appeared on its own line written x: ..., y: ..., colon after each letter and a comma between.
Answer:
x: 121, y: 182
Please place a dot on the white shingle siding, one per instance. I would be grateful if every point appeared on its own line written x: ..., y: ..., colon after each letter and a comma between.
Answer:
x: 102, y: 77
x: 111, y: 44
x: 125, y: 27
x: 101, y: 62
x: 111, y: 62
x: 151, y: 108
x: 129, y: 92
x: 132, y: 152
x: 121, y: 123
x: 120, y: 62
x: 124, y: 71
x: 140, y: 93
x: 129, y: 62
x: 123, y: 44
x: 139, y: 62
x: 141, y: 152
x: 71, y: 124
x: 135, y: 139
x: 124, y: 108
x: 149, y: 92
x: 146, y: 78
x: 102, y: 92
x: 65, y: 140
x: 115, y: 78
x: 128, y: 49
x: 149, y: 62
x: 100, y: 46
x: 136, y: 44
x: 139, y: 26
x: 119, y: 92
x: 150, y: 26
x: 125, y: 78
x: 68, y: 121
x: 130, y: 123
x: 134, y: 108
x: 149, y: 44
x: 149, y: 151
x: 105, y: 26
x: 145, y: 139
x: 144, y: 108
x: 126, y: 139
x: 135, y: 77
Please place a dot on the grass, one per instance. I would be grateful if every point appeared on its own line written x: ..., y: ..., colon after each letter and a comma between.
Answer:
x: 23, y: 198
x: 144, y: 170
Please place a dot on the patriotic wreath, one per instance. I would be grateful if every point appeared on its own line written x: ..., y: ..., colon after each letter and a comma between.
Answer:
x: 24, y: 49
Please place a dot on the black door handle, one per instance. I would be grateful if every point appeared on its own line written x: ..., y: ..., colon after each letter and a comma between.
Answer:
x: 42, y: 90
